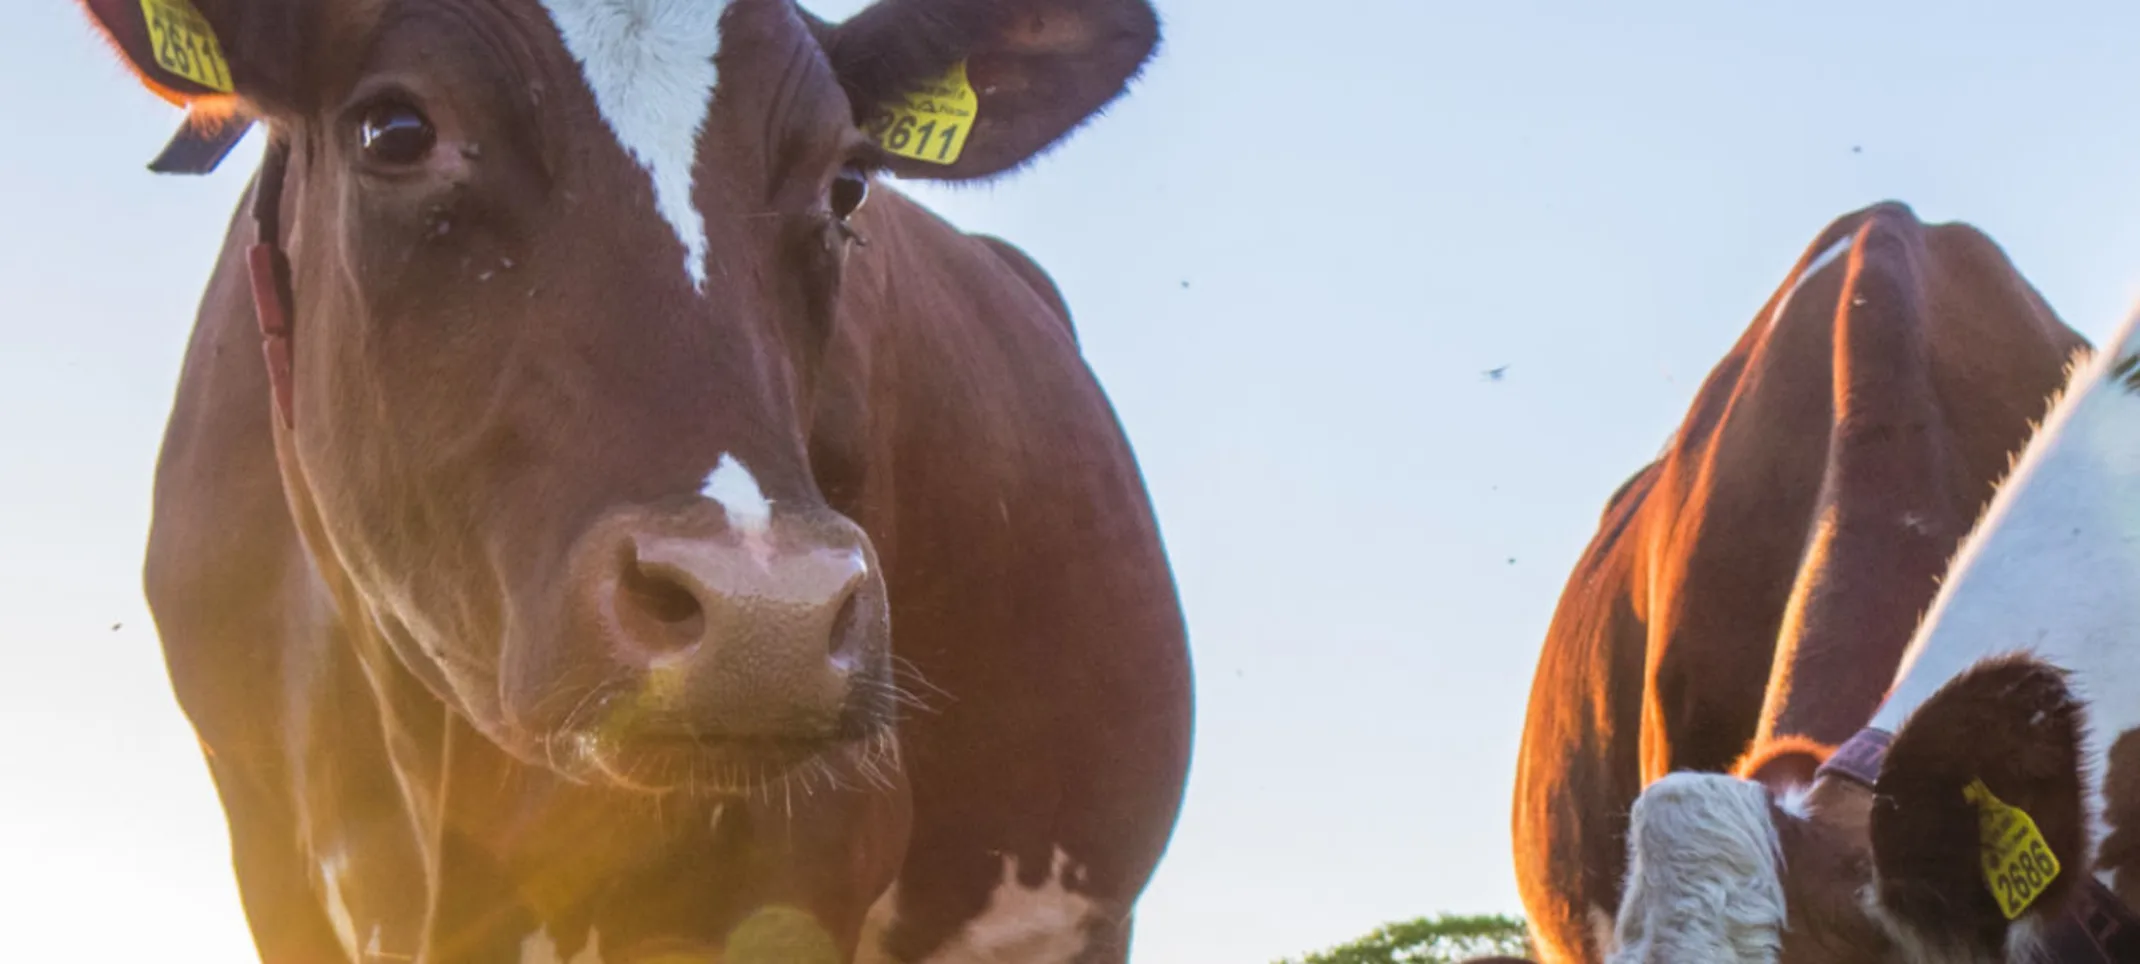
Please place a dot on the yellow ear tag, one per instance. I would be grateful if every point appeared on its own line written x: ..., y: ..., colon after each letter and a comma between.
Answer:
x: 185, y: 44
x: 931, y: 123
x: 2018, y: 865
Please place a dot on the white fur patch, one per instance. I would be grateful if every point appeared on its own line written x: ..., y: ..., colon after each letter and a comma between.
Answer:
x: 650, y: 66
x: 1704, y: 875
x: 2024, y: 938
x: 345, y: 926
x: 1822, y: 260
x: 2053, y: 565
x: 538, y: 948
x: 1047, y: 924
x: 1794, y: 801
x: 875, y: 925
x: 736, y: 491
x: 1601, y: 930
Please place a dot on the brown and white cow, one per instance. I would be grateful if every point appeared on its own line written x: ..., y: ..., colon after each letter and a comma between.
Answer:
x: 616, y: 474
x: 1792, y: 531
x: 1879, y: 861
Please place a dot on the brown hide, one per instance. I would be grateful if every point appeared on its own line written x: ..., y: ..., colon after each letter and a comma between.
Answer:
x: 1792, y: 531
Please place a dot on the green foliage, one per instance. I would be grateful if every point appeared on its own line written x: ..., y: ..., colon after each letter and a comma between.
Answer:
x: 1438, y: 940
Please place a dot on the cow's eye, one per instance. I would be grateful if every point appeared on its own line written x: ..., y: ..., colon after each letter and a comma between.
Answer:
x: 392, y: 132
x: 849, y: 190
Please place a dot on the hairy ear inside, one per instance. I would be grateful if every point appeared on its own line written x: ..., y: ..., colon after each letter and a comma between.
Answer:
x: 1704, y: 880
x: 2013, y: 724
x: 1033, y: 71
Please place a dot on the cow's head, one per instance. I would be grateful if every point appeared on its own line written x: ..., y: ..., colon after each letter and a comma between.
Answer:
x: 1723, y: 871
x: 566, y: 276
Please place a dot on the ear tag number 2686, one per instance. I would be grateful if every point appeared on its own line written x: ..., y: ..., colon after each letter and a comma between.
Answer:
x: 184, y: 44
x: 930, y: 123
x: 2018, y: 865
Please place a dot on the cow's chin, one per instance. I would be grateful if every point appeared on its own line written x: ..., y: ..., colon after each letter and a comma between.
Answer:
x: 724, y: 768
x: 855, y: 754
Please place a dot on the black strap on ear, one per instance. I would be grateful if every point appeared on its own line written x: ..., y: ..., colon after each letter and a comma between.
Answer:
x: 201, y: 145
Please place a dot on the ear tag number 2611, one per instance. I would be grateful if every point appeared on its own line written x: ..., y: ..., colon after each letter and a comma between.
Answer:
x: 2018, y: 865
x: 931, y: 122
x: 184, y: 44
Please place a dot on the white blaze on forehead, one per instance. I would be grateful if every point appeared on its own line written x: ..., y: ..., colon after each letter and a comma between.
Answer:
x: 1703, y: 877
x: 2051, y: 568
x: 650, y: 66
x: 736, y: 490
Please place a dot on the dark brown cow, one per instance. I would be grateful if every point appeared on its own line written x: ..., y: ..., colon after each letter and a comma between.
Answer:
x: 1984, y: 813
x: 549, y: 593
x: 1792, y: 531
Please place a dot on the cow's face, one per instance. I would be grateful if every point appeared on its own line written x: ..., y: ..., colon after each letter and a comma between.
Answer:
x: 564, y: 274
x: 1721, y: 870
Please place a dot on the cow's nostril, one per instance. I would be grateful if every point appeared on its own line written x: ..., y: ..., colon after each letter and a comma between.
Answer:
x: 670, y: 614
x: 846, y: 630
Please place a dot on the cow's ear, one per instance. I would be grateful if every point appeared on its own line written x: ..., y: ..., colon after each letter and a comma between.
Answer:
x: 963, y: 89
x: 217, y: 56
x: 1783, y: 762
x: 1990, y: 765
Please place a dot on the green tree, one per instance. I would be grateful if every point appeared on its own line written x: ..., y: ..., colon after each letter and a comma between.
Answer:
x: 1438, y: 940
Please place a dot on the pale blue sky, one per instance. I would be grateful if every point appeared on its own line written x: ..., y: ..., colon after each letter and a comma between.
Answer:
x: 1371, y: 201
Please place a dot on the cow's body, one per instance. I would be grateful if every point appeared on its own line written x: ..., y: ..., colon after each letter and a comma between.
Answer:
x: 380, y: 807
x: 1793, y: 530
x: 2016, y: 694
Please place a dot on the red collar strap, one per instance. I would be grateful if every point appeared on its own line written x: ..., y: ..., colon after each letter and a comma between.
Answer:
x: 2095, y: 928
x: 270, y: 272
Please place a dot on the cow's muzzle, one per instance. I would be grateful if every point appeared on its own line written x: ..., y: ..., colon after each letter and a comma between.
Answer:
x: 727, y: 643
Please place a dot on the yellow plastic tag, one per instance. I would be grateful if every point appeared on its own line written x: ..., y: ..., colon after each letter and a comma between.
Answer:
x: 2018, y: 865
x: 932, y: 122
x: 185, y: 45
